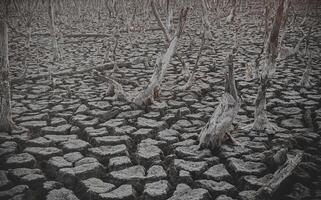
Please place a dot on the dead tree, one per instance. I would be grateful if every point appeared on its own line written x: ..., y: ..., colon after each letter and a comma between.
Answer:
x: 56, y: 55
x: 306, y: 12
x: 168, y: 32
x: 286, y: 52
x: 153, y: 88
x: 191, y: 77
x: 6, y: 123
x: 116, y: 38
x: 287, y: 4
x: 305, y: 80
x: 271, y: 51
x: 255, y: 66
x: 205, y: 21
x: 231, y: 16
x: 217, y: 129
x: 32, y: 5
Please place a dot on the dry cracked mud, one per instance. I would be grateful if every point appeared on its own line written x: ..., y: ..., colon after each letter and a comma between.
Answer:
x: 86, y: 145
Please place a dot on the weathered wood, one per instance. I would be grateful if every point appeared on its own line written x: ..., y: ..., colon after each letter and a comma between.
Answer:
x: 116, y: 68
x: 205, y: 20
x: 305, y: 80
x: 284, y: 20
x: 288, y: 52
x: 153, y: 86
x: 52, y: 28
x: 215, y: 131
x: 152, y: 90
x: 282, y: 174
x: 274, y: 158
x: 160, y: 23
x: 115, y: 88
x: 270, y: 52
x: 6, y: 123
x: 191, y: 77
x: 231, y: 16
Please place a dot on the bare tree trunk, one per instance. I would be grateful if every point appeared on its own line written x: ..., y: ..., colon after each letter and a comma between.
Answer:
x: 31, y: 7
x: 191, y: 77
x: 271, y: 51
x: 153, y: 88
x: 217, y: 129
x: 205, y: 21
x: 6, y: 123
x: 77, y: 7
x: 52, y: 28
x: 231, y: 16
x: 306, y: 12
x: 287, y: 4
x: 305, y: 80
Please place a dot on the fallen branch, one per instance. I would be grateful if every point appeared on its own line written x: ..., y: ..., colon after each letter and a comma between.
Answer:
x: 267, y: 191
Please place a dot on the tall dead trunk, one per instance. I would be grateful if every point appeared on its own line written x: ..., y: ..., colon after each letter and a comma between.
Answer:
x: 52, y: 28
x: 153, y: 88
x: 6, y: 123
x: 261, y: 121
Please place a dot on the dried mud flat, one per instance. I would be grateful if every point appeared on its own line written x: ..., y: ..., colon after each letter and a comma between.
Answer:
x: 79, y: 143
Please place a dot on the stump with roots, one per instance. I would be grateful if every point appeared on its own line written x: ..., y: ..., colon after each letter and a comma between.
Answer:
x: 217, y: 129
